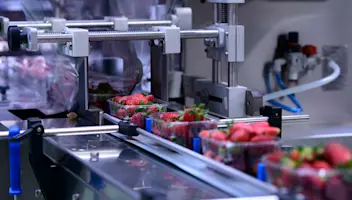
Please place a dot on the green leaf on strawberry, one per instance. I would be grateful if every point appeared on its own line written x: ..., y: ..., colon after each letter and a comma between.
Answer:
x: 287, y: 162
x: 140, y: 110
x: 149, y: 103
x: 347, y: 165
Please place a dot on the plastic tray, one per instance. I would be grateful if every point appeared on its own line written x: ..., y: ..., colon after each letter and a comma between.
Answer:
x: 243, y: 156
x: 181, y: 133
x: 100, y: 101
x: 134, y: 113
x: 313, y: 184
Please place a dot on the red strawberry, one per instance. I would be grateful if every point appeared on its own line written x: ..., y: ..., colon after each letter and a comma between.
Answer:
x: 153, y: 109
x: 138, y: 119
x: 241, y: 135
x: 218, y: 135
x: 181, y: 130
x: 276, y: 157
x: 209, y: 154
x: 116, y: 99
x: 204, y: 133
x: 262, y: 138
x: 295, y: 155
x: 264, y: 130
x: 169, y: 116
x: 150, y: 98
x: 245, y: 126
x: 260, y: 124
x: 336, y: 154
x: 319, y: 164
x: 121, y: 113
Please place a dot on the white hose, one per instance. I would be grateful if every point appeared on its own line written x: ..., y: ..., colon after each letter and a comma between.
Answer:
x: 301, y: 88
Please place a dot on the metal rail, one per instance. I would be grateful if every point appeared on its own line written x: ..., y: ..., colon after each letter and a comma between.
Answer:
x: 130, y: 35
x: 90, y: 23
x: 285, y: 119
x: 86, y: 130
x: 220, y: 176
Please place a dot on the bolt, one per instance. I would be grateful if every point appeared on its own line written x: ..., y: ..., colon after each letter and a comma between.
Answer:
x: 75, y: 196
x: 39, y: 130
x: 226, y: 53
x: 37, y: 193
x: 94, y: 157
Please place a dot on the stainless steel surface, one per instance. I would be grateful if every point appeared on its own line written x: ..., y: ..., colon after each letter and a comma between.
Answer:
x: 232, y: 74
x: 222, y: 100
x: 234, y: 182
x: 87, y: 130
x: 285, y: 119
x: 90, y: 23
x: 125, y: 171
x: 159, y: 71
x: 216, y: 73
x: 115, y: 35
x: 82, y: 65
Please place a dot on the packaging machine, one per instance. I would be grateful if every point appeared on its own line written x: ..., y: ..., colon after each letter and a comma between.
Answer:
x: 97, y: 156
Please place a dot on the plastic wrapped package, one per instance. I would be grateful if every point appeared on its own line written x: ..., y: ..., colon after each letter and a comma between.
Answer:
x: 314, y: 184
x: 243, y: 156
x: 181, y: 133
x: 36, y: 82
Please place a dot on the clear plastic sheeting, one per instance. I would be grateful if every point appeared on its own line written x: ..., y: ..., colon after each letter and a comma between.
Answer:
x: 30, y: 82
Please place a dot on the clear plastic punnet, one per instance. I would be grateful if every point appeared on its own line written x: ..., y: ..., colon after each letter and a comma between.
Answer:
x: 243, y: 156
x: 181, y: 133
x: 313, y: 184
x: 136, y: 113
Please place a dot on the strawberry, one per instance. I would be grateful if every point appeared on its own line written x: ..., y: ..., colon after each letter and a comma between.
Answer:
x: 209, y: 154
x: 169, y: 116
x: 116, y: 99
x: 241, y: 126
x: 121, y: 113
x: 336, y: 154
x: 318, y: 164
x: 241, y: 135
x: 276, y: 157
x: 153, y: 109
x: 138, y: 119
x: 218, y: 135
x: 262, y: 138
x: 260, y: 124
x: 307, y: 154
x: 204, y: 133
x: 295, y: 155
x: 193, y: 114
x: 150, y: 98
x: 265, y: 130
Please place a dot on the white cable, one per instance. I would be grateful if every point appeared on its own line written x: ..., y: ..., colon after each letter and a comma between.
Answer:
x: 301, y: 88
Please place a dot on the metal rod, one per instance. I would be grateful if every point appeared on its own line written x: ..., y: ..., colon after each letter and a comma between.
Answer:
x: 115, y: 35
x: 231, y: 15
x: 86, y: 130
x: 232, y: 74
x: 285, y: 119
x: 90, y: 23
x: 215, y: 13
x: 216, y: 74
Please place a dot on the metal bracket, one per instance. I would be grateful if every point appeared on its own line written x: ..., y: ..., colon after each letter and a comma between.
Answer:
x: 79, y: 47
x: 235, y: 44
x: 226, y: 1
x: 182, y: 18
x: 274, y: 116
x: 32, y: 38
x: 57, y: 24
x: 4, y: 25
x: 120, y: 23
x: 172, y: 41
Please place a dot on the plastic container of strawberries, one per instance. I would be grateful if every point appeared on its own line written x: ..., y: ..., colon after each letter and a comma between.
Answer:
x: 243, y: 156
x: 136, y: 113
x: 181, y: 133
x: 312, y: 183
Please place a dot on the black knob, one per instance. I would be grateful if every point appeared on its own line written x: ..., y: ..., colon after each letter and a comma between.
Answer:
x: 15, y: 38
x: 293, y: 37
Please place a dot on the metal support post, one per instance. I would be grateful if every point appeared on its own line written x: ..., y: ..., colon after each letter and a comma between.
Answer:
x: 82, y: 66
x: 159, y: 70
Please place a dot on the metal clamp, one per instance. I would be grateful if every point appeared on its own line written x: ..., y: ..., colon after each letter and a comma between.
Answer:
x: 182, y: 18
x: 120, y: 23
x: 172, y: 41
x: 4, y: 25
x: 235, y: 44
x: 79, y: 47
x: 57, y: 24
